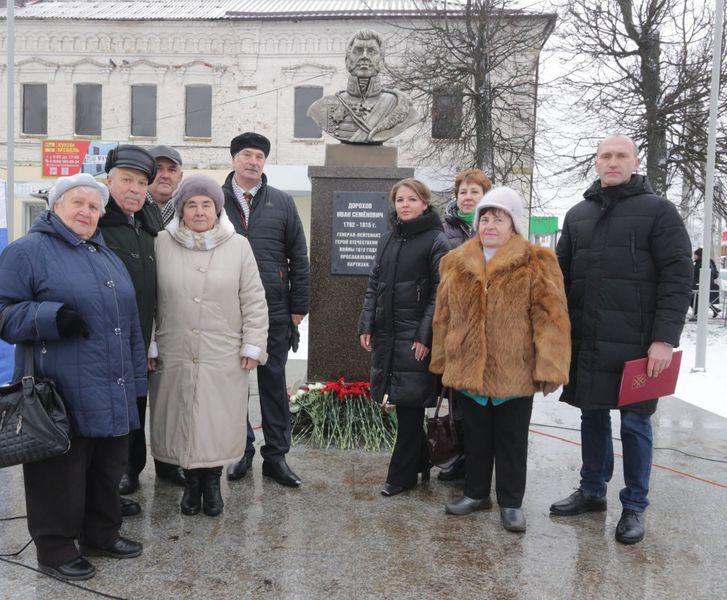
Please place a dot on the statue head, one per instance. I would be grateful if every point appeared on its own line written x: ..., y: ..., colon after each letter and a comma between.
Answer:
x: 365, y: 53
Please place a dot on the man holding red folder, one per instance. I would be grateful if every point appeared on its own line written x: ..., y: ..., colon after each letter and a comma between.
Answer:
x: 626, y: 261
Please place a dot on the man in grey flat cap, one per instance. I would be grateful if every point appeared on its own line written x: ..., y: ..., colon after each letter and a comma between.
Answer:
x: 169, y: 175
x: 159, y: 211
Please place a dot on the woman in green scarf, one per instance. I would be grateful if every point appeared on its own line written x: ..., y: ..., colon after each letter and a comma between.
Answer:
x: 469, y: 187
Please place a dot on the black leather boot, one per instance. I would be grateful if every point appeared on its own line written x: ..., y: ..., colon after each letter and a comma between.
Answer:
x: 211, y: 497
x: 192, y: 497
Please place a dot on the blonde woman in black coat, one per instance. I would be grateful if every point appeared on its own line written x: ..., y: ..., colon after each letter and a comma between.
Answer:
x: 396, y: 325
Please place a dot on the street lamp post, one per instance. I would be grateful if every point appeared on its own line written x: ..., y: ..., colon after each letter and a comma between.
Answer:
x: 10, y: 69
x: 704, y: 272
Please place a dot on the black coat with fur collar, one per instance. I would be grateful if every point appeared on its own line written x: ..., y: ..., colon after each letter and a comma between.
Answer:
x: 399, y: 307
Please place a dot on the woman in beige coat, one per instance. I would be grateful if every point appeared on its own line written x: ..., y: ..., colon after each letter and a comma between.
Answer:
x: 211, y: 330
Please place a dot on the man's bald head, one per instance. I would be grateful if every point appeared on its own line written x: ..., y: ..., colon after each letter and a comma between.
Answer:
x: 619, y: 135
x: 617, y: 160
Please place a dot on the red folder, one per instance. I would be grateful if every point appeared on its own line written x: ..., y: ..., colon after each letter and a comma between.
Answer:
x: 636, y: 386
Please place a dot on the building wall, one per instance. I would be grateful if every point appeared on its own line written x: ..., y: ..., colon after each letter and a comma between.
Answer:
x: 252, y: 66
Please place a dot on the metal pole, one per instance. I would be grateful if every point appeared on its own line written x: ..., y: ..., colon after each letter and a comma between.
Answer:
x: 704, y: 274
x: 10, y: 69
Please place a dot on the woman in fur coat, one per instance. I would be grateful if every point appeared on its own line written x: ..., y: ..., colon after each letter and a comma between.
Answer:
x: 501, y: 333
x: 396, y: 325
x: 470, y: 185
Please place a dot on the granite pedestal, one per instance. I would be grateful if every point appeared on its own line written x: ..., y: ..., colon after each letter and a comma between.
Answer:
x: 336, y: 300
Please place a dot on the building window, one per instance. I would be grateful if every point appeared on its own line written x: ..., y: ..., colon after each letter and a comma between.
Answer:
x: 198, y: 111
x: 447, y: 115
x: 144, y: 110
x: 30, y: 211
x: 88, y: 109
x: 35, y: 108
x: 305, y: 127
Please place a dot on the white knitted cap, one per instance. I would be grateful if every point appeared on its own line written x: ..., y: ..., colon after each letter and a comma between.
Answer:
x: 506, y: 199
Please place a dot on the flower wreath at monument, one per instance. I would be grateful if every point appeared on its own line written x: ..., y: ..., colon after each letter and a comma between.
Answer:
x: 341, y: 414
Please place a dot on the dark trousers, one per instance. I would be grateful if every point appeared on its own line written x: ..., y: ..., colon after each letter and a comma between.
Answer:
x: 457, y: 399
x: 713, y: 301
x: 75, y: 496
x: 137, y: 447
x: 496, y: 435
x: 137, y: 441
x: 410, y: 455
x: 273, y: 398
x: 597, y: 454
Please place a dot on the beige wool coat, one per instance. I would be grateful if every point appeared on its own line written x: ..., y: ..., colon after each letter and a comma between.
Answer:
x: 211, y: 306
x: 501, y: 328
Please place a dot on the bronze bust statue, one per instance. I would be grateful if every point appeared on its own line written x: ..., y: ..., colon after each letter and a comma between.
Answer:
x: 365, y: 112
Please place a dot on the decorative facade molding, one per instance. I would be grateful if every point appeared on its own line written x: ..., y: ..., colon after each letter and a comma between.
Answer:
x: 315, y: 72
x: 118, y: 43
x: 253, y: 66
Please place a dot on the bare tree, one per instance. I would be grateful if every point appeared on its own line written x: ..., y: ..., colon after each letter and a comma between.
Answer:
x: 472, y: 68
x: 642, y: 67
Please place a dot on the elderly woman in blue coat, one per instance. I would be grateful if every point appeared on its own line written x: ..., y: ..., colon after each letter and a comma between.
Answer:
x: 63, y: 291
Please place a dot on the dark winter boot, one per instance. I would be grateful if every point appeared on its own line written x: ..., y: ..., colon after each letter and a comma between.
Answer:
x: 192, y: 497
x: 211, y: 497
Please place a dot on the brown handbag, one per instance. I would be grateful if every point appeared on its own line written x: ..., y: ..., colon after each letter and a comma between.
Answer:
x: 444, y: 443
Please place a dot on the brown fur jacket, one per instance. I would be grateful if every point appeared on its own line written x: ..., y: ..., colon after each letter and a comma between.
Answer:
x: 501, y: 328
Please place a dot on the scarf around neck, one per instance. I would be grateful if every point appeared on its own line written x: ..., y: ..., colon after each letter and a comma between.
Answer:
x: 467, y: 218
x: 207, y: 240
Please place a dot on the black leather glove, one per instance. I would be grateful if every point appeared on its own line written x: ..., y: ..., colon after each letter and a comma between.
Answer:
x: 70, y: 323
x: 293, y: 337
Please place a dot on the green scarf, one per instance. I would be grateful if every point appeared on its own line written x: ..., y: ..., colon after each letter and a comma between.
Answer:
x: 469, y: 219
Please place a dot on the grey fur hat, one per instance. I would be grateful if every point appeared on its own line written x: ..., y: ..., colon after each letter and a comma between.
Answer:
x: 198, y: 185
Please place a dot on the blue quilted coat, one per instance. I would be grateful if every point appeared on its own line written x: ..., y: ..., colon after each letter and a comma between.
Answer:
x: 100, y: 377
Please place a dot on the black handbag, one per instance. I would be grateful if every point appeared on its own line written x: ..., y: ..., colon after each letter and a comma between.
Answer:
x: 444, y: 443
x: 33, y: 420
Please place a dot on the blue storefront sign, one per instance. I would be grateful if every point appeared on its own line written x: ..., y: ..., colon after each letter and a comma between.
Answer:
x: 6, y: 351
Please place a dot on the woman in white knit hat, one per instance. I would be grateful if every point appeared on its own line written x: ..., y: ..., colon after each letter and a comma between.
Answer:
x: 501, y: 333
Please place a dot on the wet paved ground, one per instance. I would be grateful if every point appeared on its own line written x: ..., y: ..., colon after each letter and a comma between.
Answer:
x: 336, y: 537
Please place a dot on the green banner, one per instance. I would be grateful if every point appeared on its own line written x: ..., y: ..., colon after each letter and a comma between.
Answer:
x: 543, y: 225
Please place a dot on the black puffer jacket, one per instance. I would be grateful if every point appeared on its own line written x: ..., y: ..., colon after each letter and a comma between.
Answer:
x: 278, y: 243
x: 134, y: 245
x: 458, y: 232
x: 625, y: 256
x: 399, y: 307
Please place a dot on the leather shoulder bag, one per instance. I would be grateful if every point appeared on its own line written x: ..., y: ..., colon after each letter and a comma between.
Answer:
x: 33, y: 420
x: 444, y: 443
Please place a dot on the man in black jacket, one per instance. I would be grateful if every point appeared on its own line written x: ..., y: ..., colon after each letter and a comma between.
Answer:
x: 270, y: 221
x: 129, y: 228
x: 625, y: 257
